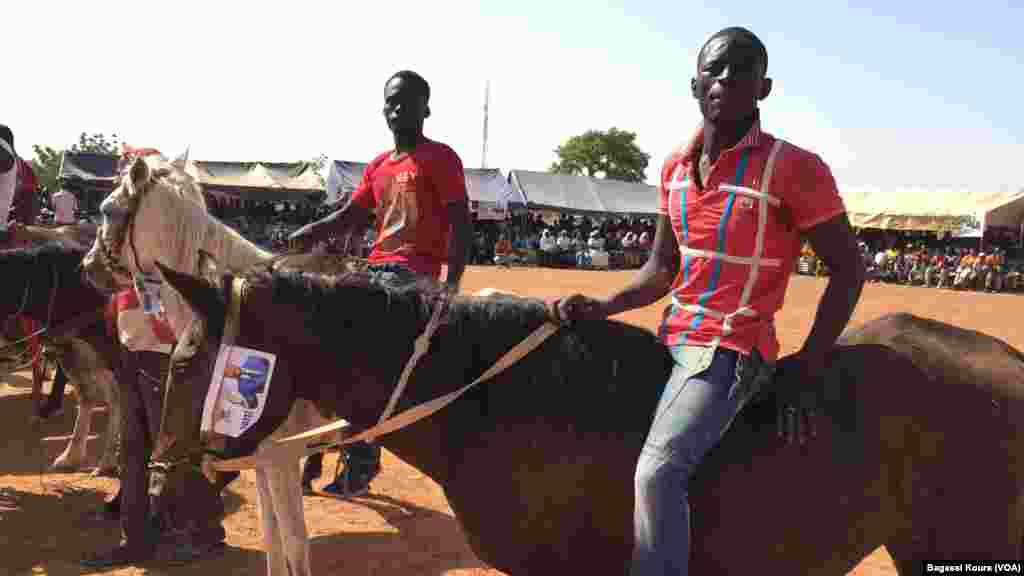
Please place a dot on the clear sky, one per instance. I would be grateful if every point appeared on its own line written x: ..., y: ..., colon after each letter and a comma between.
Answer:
x: 890, y: 93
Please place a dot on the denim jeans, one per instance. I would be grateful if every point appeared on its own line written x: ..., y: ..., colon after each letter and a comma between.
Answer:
x: 707, y: 388
x: 392, y: 274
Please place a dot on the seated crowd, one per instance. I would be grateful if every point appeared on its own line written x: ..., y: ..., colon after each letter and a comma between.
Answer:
x: 570, y: 242
x: 932, y: 264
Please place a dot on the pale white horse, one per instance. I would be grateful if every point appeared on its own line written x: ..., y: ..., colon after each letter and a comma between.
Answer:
x: 158, y: 213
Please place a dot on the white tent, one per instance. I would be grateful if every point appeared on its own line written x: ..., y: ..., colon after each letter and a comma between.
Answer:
x: 933, y: 210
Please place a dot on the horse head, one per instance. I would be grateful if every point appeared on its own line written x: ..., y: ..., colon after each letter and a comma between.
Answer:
x: 137, y: 203
x: 296, y: 316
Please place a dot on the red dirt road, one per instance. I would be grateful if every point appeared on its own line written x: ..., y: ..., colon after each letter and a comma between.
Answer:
x: 404, y: 527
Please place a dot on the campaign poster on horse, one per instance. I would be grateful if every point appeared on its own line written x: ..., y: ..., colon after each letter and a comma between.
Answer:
x: 238, y: 390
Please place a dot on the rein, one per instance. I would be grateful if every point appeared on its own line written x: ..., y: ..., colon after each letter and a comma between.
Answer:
x: 387, y: 423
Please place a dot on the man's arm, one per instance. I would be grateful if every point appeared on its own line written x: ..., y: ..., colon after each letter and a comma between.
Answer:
x: 835, y: 243
x: 459, y: 240
x: 342, y: 222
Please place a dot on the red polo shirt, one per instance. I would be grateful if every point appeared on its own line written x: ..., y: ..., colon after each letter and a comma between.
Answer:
x: 739, y: 236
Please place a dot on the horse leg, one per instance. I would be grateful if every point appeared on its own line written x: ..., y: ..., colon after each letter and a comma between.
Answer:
x: 283, y: 480
x: 55, y: 400
x: 312, y: 469
x: 75, y: 452
x: 112, y: 445
x: 277, y: 564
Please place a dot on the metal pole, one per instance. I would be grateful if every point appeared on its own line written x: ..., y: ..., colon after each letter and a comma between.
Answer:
x: 487, y: 99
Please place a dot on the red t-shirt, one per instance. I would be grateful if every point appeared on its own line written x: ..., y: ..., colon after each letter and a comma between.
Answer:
x: 26, y: 203
x: 410, y: 196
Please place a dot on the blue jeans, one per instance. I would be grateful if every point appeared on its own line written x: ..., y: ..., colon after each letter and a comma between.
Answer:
x: 707, y: 388
x: 391, y: 274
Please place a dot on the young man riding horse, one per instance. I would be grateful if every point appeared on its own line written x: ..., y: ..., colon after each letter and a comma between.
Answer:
x: 418, y: 193
x: 734, y: 202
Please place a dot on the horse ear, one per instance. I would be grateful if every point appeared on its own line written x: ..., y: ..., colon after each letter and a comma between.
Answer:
x: 209, y: 268
x: 200, y: 294
x: 139, y: 172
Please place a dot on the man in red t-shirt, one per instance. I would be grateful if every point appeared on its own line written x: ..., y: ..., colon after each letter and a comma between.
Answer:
x: 734, y: 203
x: 417, y: 193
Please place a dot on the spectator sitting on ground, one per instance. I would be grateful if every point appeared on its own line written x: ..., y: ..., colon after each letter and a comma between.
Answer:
x: 564, y: 241
x: 629, y: 240
x: 503, y: 251
x: 548, y: 248
x: 596, y: 241
x: 565, y: 257
x: 645, y: 241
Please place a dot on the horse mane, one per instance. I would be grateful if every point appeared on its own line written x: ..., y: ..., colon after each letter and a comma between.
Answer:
x: 476, y: 332
x: 186, y: 214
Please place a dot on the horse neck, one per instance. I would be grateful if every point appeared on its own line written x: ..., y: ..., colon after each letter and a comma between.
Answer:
x: 188, y: 228
x: 176, y: 229
x: 32, y: 283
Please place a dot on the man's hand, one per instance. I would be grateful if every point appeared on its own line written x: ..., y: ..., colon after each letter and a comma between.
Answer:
x: 795, y: 419
x: 310, y: 234
x: 580, y: 307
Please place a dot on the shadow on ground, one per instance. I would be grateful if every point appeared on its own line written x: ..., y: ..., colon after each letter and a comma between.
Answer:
x: 421, y: 545
x: 52, y: 532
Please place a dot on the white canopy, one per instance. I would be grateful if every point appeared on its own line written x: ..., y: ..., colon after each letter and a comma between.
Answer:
x: 932, y: 210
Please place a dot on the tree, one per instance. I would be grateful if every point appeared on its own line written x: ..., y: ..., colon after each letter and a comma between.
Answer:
x: 612, y: 154
x: 46, y: 163
x: 317, y: 164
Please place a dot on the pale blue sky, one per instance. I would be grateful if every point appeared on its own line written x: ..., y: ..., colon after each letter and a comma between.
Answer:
x: 889, y: 93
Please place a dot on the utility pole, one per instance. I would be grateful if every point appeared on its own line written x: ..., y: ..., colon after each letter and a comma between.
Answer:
x: 487, y: 100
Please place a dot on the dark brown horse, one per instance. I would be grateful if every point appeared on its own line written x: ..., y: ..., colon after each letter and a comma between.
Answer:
x: 39, y: 277
x: 538, y: 463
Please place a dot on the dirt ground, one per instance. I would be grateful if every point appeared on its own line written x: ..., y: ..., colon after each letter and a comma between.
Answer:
x: 404, y: 526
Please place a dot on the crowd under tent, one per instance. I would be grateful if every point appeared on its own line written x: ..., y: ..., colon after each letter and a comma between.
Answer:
x: 92, y: 177
x: 292, y: 182
x: 491, y: 197
x: 572, y: 194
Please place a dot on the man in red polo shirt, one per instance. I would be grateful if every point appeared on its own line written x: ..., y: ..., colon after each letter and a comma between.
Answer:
x: 417, y: 192
x: 734, y: 203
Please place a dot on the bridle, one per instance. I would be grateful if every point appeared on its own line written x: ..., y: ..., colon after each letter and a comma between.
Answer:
x: 109, y: 253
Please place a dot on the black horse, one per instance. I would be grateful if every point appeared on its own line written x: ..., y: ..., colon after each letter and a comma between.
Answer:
x: 538, y: 463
